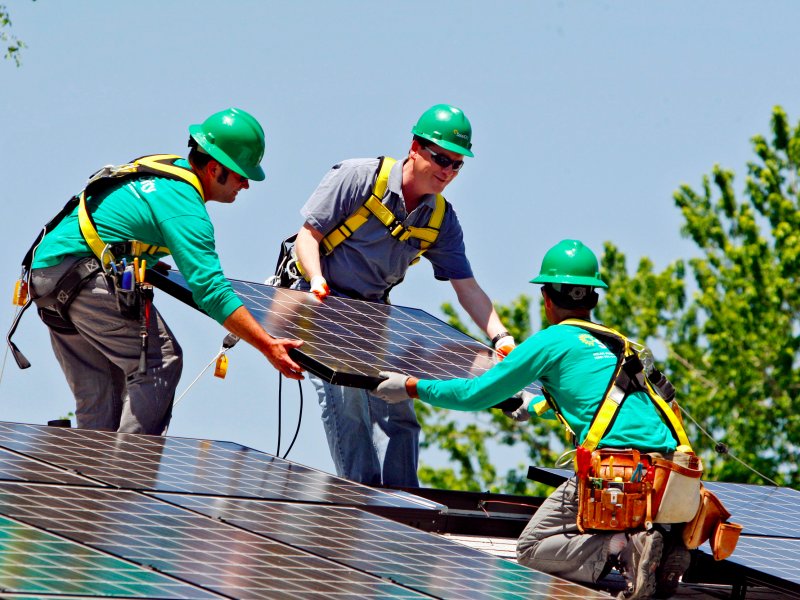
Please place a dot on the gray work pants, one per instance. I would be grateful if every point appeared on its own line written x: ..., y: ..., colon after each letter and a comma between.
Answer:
x: 552, y: 543
x: 101, y: 361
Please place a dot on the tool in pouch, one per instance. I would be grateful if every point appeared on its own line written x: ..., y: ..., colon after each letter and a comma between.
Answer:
x: 134, y: 295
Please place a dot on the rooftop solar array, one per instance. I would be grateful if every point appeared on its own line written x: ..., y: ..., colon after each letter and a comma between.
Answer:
x: 88, y: 514
x: 349, y: 341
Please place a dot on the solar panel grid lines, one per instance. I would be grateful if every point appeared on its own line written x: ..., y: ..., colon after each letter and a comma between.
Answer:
x: 424, y: 562
x: 350, y: 341
x: 195, y: 466
x: 755, y: 508
x: 779, y: 557
x: 190, y: 547
x: 33, y: 561
x: 20, y: 467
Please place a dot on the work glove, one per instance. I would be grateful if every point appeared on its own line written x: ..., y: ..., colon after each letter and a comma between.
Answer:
x: 520, y: 414
x: 503, y: 344
x: 393, y: 388
x: 319, y: 287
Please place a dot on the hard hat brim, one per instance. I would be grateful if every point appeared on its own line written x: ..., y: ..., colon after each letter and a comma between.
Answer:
x: 570, y: 280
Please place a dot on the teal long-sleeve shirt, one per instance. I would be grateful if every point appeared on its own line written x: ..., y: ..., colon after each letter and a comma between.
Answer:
x: 576, y: 369
x: 159, y: 211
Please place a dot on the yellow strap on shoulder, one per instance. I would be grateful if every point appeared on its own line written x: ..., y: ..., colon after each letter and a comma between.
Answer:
x: 615, y: 395
x: 90, y: 234
x: 374, y: 206
x: 162, y: 165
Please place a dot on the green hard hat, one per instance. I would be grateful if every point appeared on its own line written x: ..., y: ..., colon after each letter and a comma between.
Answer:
x: 569, y: 261
x: 235, y: 139
x: 446, y: 126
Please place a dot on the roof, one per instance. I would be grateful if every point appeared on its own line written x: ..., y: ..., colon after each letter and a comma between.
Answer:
x: 87, y: 514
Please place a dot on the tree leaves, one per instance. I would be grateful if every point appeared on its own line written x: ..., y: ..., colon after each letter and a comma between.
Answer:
x: 725, y: 324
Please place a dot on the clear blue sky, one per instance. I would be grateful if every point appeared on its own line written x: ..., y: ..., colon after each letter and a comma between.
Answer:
x: 586, y: 117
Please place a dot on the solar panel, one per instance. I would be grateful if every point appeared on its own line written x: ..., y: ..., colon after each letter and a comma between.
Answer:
x: 188, y: 546
x: 347, y: 341
x: 761, y: 510
x: 38, y: 562
x: 14, y: 467
x: 418, y: 560
x: 779, y: 557
x: 171, y: 464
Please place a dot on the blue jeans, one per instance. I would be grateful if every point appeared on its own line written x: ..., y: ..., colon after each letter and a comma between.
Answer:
x: 370, y: 441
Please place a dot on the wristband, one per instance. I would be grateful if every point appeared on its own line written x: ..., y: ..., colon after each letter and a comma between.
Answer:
x: 500, y: 336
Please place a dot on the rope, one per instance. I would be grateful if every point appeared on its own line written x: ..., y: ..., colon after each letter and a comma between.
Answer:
x: 719, y: 447
x: 8, y: 348
x: 213, y: 360
x: 722, y: 448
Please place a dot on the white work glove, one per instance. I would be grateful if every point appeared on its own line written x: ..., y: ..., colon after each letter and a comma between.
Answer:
x: 319, y: 287
x: 520, y: 414
x: 393, y: 388
x: 503, y: 344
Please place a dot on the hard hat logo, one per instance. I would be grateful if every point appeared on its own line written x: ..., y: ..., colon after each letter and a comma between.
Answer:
x: 447, y: 127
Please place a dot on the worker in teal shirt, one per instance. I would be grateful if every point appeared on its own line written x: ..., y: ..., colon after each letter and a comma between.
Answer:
x: 575, y: 368
x: 163, y: 208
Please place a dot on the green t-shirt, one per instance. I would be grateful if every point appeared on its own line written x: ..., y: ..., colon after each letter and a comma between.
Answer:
x: 159, y: 211
x: 576, y: 369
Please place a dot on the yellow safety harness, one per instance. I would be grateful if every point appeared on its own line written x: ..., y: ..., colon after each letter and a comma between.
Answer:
x: 160, y: 165
x: 628, y: 377
x: 373, y: 206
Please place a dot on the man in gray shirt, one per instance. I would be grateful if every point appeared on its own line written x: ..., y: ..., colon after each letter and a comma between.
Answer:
x: 365, y: 255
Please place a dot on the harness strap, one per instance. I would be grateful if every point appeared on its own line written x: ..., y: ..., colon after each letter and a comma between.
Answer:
x: 159, y: 165
x: 373, y: 206
x: 628, y: 377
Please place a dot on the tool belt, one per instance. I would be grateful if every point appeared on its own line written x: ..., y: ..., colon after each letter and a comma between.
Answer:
x: 711, y: 524
x: 627, y: 489
x: 54, y: 306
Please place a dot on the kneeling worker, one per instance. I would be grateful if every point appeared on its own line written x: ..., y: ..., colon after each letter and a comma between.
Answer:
x: 579, y: 364
x: 81, y: 277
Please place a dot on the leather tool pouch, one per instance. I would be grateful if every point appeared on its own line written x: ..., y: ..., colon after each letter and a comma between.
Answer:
x: 710, y: 524
x: 626, y: 490
x: 676, y: 487
x: 608, y: 499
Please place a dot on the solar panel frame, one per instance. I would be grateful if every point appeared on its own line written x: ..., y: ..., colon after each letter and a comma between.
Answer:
x: 357, y: 343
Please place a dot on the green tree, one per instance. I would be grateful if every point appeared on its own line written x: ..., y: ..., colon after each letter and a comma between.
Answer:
x: 13, y: 46
x: 734, y: 351
x: 728, y: 338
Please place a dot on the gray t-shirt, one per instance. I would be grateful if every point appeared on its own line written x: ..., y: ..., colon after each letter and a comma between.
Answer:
x: 371, y: 260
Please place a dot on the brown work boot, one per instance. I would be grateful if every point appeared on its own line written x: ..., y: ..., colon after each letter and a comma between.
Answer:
x: 639, y: 561
x: 674, y: 562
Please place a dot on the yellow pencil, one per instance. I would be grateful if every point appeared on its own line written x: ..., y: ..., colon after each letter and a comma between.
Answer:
x: 142, y: 268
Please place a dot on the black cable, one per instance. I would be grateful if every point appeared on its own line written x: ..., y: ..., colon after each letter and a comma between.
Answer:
x: 299, y: 419
x: 280, y: 392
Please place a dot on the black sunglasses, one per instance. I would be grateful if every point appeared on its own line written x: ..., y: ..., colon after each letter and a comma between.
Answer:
x: 444, y: 161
